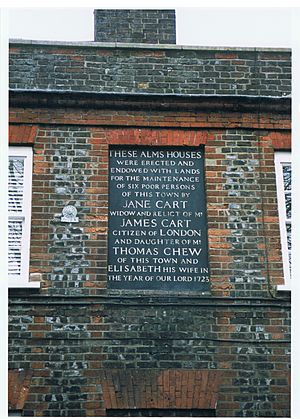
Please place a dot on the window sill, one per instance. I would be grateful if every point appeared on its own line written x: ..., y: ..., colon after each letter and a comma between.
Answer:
x: 284, y: 288
x: 24, y: 285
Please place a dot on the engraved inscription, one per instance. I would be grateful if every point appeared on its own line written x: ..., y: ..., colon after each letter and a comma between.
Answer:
x: 157, y: 219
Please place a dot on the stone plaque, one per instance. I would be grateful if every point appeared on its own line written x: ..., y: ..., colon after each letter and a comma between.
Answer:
x: 157, y: 219
x: 69, y: 214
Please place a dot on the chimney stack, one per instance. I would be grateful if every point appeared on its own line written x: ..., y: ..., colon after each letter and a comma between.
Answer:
x: 135, y: 26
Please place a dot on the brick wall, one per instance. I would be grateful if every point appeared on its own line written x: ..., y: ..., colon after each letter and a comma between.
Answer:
x: 73, y: 327
x: 70, y: 168
x: 67, y: 338
x: 135, y: 26
x: 66, y: 345
x: 162, y: 70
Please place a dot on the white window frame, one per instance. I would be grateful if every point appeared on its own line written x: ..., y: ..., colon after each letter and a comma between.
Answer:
x: 283, y: 157
x: 22, y: 280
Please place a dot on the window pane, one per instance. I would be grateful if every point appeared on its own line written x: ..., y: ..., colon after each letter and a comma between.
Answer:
x: 288, y: 205
x: 287, y: 177
x: 289, y: 235
x: 15, y: 228
x: 15, y: 184
x: 284, y: 196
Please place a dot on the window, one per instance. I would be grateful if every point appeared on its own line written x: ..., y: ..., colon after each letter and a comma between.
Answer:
x: 284, y: 197
x: 19, y: 214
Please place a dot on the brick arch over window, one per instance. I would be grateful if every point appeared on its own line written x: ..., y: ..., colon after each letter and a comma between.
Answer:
x: 21, y: 134
x: 18, y: 387
x: 160, y: 389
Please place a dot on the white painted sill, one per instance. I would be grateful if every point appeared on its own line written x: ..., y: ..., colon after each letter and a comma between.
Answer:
x: 12, y: 284
x: 284, y: 288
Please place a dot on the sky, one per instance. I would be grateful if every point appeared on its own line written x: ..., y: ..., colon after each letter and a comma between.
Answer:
x: 203, y: 26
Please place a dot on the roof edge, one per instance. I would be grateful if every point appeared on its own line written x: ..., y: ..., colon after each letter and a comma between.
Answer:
x: 93, y: 44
